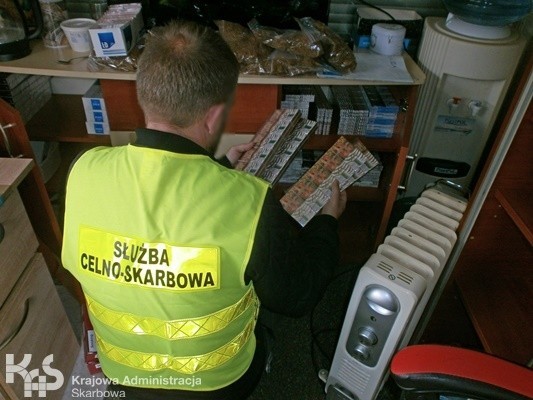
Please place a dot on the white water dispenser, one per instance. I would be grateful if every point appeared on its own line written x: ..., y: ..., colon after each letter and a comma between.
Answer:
x: 467, y: 78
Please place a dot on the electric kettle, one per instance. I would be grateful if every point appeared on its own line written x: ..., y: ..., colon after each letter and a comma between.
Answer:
x: 14, y: 31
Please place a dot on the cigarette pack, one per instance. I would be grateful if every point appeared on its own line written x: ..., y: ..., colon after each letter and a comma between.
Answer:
x: 89, y: 343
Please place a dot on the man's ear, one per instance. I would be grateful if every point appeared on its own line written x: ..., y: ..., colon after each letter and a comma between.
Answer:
x: 214, y: 117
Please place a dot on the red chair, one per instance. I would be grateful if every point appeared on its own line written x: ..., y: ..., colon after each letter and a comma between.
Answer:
x: 428, y: 371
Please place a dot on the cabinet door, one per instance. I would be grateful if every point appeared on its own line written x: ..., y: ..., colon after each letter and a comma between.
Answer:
x: 15, y: 141
x: 17, y: 244
x: 34, y: 323
x: 32, y: 189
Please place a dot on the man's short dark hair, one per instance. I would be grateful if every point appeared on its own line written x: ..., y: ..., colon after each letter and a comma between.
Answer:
x: 185, y: 68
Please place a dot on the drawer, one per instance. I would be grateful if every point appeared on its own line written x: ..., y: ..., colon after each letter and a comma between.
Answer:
x: 18, y: 245
x: 34, y: 322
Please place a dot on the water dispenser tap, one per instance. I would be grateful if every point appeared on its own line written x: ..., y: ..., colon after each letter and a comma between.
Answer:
x: 453, y: 103
x: 475, y: 107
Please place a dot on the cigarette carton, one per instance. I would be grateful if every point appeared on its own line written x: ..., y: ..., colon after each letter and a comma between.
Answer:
x: 97, y: 128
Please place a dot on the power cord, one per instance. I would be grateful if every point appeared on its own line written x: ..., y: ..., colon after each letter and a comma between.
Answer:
x: 366, y: 3
x: 316, y: 344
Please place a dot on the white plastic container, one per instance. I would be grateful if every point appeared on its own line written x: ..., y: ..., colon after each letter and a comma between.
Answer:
x: 77, y: 33
x: 387, y: 39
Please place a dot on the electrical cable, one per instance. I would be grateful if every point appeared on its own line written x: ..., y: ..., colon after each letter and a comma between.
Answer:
x: 315, y: 343
x: 316, y: 334
x: 366, y: 3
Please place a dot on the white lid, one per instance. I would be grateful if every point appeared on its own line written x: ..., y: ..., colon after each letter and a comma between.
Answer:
x: 74, y: 23
x: 391, y: 29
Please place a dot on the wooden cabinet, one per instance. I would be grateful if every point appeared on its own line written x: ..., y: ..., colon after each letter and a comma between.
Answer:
x: 33, y: 320
x: 62, y: 119
x: 14, y: 142
x: 494, y: 271
x: 18, y: 243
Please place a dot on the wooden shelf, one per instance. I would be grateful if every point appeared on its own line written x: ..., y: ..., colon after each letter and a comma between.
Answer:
x: 62, y: 119
x: 495, y: 284
x: 324, y: 142
x: 43, y: 61
x: 12, y: 171
x: 493, y: 273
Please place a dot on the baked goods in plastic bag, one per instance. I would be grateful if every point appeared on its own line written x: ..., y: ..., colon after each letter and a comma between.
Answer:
x: 336, y: 50
x: 289, y: 40
x: 288, y: 64
x: 250, y: 53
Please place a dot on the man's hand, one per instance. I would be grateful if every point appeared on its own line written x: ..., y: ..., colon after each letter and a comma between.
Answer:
x: 336, y: 203
x: 235, y: 153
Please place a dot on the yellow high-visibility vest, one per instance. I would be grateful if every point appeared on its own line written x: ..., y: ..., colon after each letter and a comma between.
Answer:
x: 159, y: 242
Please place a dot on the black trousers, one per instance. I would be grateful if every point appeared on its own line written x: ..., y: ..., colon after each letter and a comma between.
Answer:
x: 238, y: 390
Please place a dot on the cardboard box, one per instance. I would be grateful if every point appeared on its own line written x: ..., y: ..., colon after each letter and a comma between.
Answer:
x: 93, y: 100
x: 97, y: 128
x: 96, y: 122
x: 96, y: 116
x: 94, y: 105
x: 118, y: 31
x: 67, y: 85
x: 88, y: 338
x: 89, y: 343
x: 94, y: 367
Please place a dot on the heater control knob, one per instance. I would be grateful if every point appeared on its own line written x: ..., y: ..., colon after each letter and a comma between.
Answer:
x: 367, y: 336
x: 361, y: 352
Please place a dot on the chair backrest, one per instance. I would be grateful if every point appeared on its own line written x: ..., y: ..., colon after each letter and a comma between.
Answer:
x: 460, y: 372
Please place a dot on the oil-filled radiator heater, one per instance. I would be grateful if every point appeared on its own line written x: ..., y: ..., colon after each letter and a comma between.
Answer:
x: 391, y: 293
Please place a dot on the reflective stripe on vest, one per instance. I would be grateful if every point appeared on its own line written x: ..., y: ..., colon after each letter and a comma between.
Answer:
x: 163, y: 265
x: 185, y: 365
x: 174, y: 329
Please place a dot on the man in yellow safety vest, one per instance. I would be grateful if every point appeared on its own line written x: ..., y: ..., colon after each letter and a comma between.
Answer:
x: 175, y: 250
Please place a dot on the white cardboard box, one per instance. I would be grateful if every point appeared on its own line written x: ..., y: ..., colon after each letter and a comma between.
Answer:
x: 94, y: 105
x: 97, y: 128
x: 67, y: 85
x: 96, y: 116
x: 117, y: 34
